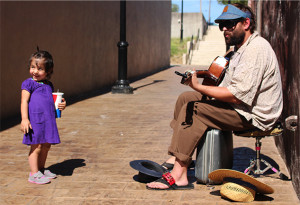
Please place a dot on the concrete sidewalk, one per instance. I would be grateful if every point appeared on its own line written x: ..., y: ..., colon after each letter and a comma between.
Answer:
x: 102, y: 134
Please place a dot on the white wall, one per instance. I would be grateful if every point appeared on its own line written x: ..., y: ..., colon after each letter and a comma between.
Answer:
x: 193, y: 24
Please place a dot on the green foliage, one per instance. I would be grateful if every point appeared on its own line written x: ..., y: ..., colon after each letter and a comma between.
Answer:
x: 175, y: 8
x: 225, y: 2
x: 178, y: 48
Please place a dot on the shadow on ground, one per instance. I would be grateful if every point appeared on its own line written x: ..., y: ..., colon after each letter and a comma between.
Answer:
x: 242, y: 157
x: 154, y: 81
x: 13, y: 120
x: 66, y: 168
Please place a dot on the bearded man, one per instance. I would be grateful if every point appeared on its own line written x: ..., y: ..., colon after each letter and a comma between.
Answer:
x: 250, y: 95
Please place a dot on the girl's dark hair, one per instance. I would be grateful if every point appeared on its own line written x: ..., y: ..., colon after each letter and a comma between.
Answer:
x: 247, y: 9
x: 48, y: 60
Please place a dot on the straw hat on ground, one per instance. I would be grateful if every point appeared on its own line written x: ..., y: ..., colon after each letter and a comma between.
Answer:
x: 238, y: 186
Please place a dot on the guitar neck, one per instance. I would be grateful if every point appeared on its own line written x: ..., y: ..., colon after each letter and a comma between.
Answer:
x: 202, y: 73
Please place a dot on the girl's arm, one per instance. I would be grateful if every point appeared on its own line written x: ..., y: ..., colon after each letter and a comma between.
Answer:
x: 25, y: 123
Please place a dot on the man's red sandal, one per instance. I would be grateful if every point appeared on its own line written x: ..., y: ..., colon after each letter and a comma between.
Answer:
x: 168, y: 180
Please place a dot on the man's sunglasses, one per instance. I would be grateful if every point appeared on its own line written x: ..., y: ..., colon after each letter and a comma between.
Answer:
x: 228, y: 24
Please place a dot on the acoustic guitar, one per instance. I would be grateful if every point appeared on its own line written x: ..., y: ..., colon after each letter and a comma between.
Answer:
x: 213, y: 76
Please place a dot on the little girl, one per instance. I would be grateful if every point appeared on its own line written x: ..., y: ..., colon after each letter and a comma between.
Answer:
x: 38, y: 115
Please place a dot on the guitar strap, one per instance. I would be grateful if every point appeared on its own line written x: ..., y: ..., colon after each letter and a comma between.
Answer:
x: 228, y: 54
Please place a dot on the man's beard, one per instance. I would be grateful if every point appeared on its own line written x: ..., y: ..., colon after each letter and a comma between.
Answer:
x: 234, y: 38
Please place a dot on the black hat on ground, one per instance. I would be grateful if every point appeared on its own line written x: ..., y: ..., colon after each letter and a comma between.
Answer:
x: 148, y: 170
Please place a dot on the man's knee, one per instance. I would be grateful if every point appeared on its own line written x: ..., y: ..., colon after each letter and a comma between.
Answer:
x: 188, y: 96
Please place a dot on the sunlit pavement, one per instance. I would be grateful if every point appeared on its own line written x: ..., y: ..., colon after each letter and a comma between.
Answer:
x: 102, y: 134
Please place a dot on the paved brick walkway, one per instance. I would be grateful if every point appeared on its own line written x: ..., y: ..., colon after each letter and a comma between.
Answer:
x: 101, y: 135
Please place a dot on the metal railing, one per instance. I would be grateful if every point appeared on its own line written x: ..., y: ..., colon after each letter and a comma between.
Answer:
x: 190, y: 50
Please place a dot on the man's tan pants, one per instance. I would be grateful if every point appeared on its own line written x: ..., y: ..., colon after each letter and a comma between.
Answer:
x: 192, y: 116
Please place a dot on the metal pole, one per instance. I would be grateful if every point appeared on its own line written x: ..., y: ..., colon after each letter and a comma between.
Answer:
x: 227, y: 46
x: 122, y: 84
x: 201, y: 22
x: 181, y: 29
x: 209, y: 12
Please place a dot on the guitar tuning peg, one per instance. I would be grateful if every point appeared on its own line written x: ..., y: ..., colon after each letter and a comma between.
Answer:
x: 189, y: 72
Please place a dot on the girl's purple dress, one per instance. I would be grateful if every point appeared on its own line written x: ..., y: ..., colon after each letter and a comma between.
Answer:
x: 41, y: 113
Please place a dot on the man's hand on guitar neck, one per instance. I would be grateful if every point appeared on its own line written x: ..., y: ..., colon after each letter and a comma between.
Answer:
x: 193, y: 82
x: 219, y: 93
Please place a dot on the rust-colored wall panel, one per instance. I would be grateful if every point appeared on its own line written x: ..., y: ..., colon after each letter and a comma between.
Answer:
x: 82, y: 36
x: 280, y: 26
x: 148, y: 35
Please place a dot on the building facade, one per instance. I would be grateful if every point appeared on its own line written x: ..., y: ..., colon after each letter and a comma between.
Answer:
x: 82, y: 38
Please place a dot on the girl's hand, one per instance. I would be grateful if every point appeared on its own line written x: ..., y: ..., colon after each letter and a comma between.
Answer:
x: 62, y: 105
x: 25, y: 126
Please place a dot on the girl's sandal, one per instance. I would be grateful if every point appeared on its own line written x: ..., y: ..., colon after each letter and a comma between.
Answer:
x: 168, y: 180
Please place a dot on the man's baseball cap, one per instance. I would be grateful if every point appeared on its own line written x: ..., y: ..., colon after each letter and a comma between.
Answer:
x: 231, y: 12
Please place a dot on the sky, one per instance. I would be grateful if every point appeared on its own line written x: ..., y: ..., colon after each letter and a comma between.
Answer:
x: 191, y: 6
